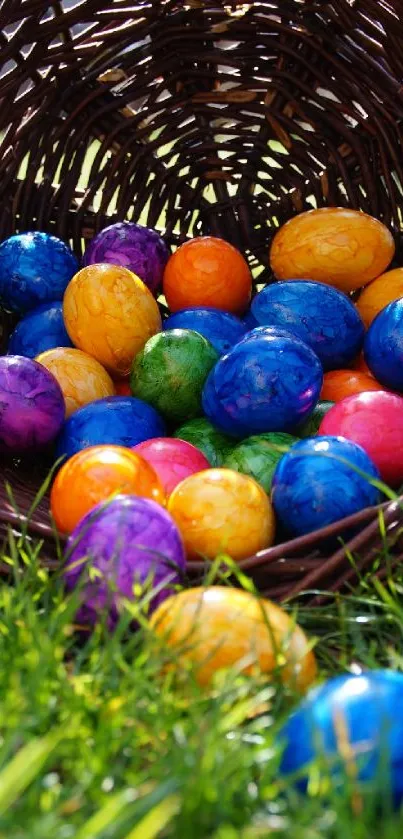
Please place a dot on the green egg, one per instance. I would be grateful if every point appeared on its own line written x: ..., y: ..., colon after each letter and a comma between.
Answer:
x: 201, y: 433
x: 170, y: 371
x: 259, y: 455
x: 311, y: 426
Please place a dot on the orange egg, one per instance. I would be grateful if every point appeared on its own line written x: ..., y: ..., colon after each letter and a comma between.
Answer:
x: 343, y: 248
x: 217, y: 627
x: 207, y: 272
x: 81, y: 377
x: 379, y: 293
x: 222, y: 511
x: 337, y: 384
x: 94, y: 475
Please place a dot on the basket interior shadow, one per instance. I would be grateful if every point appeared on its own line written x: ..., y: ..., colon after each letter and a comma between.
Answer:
x: 222, y: 118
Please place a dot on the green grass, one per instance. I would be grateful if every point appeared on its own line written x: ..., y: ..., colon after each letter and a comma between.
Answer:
x: 96, y: 743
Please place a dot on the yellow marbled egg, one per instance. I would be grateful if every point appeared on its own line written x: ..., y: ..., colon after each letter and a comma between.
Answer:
x: 221, y: 511
x: 341, y: 247
x: 110, y: 314
x: 82, y: 378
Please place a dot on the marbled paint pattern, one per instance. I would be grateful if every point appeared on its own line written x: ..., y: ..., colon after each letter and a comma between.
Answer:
x: 31, y: 405
x: 40, y: 330
x: 383, y: 348
x: 222, y: 329
x: 120, y: 420
x: 321, y: 316
x: 315, y: 483
x: 132, y: 246
x: 170, y: 373
x: 132, y: 541
x: 35, y: 268
x: 270, y: 381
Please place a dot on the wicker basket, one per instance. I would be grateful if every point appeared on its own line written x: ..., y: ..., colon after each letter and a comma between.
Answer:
x: 203, y: 117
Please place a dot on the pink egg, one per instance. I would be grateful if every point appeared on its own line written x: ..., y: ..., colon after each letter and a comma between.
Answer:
x: 172, y: 459
x: 374, y: 420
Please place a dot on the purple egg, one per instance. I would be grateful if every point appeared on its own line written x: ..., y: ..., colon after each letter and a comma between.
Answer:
x: 129, y: 541
x: 32, y: 406
x: 137, y: 248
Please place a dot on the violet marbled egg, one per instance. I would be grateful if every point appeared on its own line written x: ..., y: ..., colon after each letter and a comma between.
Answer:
x: 140, y: 249
x: 131, y: 542
x: 31, y: 405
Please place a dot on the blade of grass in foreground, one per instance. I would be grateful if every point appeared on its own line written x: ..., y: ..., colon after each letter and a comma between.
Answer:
x: 23, y: 768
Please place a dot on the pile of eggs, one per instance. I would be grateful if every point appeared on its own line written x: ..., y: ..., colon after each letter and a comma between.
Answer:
x: 206, y: 432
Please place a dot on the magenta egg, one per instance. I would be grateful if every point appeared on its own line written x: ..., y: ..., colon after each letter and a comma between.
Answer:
x: 173, y: 460
x: 374, y: 420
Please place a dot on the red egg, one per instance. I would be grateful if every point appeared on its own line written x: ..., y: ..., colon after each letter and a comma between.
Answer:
x: 172, y: 459
x: 375, y: 421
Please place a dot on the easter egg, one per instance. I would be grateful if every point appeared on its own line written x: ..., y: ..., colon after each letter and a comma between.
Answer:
x: 221, y: 511
x: 378, y: 294
x: 207, y: 271
x: 172, y: 460
x: 214, y: 628
x: 117, y: 420
x: 317, y: 483
x: 93, y: 476
x: 40, y: 330
x: 383, y: 348
x: 140, y: 249
x: 258, y: 456
x: 170, y: 373
x: 311, y: 426
x: 81, y: 377
x: 350, y: 720
x: 110, y: 314
x: 375, y: 422
x: 35, y: 268
x: 337, y: 384
x: 321, y: 316
x: 202, y: 434
x: 31, y: 405
x: 222, y: 329
x: 341, y: 247
x: 136, y: 549
x: 270, y: 381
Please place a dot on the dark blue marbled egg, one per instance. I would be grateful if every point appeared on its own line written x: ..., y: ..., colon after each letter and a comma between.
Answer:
x: 320, y: 315
x: 140, y: 249
x: 383, y: 347
x: 270, y: 381
x: 317, y: 483
x: 222, y: 329
x: 367, y: 708
x: 40, y: 330
x: 35, y: 268
x: 249, y: 320
x: 119, y: 420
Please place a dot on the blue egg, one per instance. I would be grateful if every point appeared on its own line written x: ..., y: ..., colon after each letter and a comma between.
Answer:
x: 383, y: 347
x: 222, y: 329
x: 320, y: 315
x: 119, y: 420
x: 317, y: 483
x: 270, y: 381
x: 40, y: 330
x: 362, y: 709
x: 35, y: 268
